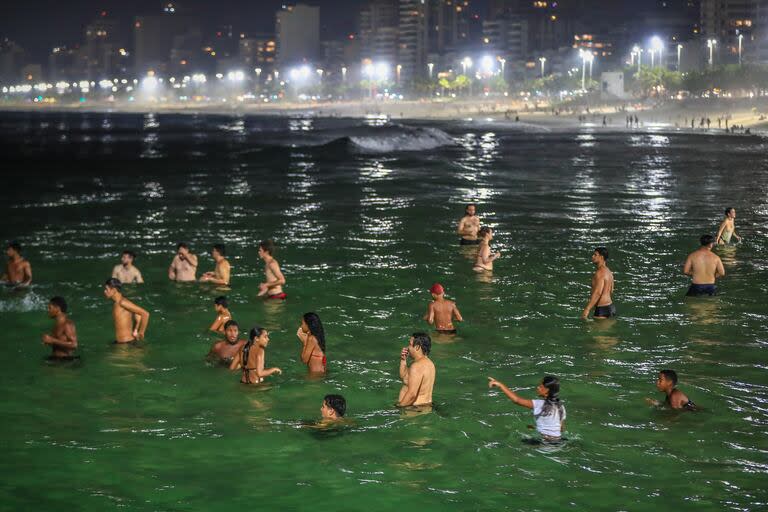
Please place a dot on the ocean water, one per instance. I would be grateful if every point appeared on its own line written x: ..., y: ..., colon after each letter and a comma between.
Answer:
x: 364, y: 214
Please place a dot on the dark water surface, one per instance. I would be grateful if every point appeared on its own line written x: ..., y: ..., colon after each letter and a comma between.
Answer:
x: 364, y: 229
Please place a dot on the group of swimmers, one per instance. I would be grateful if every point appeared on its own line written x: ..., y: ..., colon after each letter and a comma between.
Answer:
x: 249, y: 355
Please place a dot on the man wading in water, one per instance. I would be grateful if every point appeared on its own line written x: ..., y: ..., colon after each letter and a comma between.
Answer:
x: 469, y: 225
x: 704, y: 267
x: 419, y: 378
x: 602, y: 287
x: 130, y: 320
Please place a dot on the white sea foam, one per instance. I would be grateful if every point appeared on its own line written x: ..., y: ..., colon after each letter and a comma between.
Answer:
x: 402, y: 138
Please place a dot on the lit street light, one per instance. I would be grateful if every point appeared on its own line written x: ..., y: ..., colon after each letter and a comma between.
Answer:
x: 466, y: 63
x: 679, y: 53
x: 502, y: 61
x: 585, y: 57
x: 658, y: 46
x: 741, y: 38
x: 542, y: 60
x: 639, y: 58
x: 653, y: 52
x: 344, y: 74
x: 711, y: 45
x: 431, y: 66
x: 398, y: 69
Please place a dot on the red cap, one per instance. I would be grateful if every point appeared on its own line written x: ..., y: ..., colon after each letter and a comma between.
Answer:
x: 437, y: 289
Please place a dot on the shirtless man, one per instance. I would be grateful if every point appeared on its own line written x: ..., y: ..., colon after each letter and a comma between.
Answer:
x: 272, y: 287
x: 602, y: 287
x: 18, y: 271
x: 704, y: 267
x: 223, y: 316
x: 125, y: 272
x: 441, y: 312
x: 251, y: 358
x: 419, y: 378
x: 224, y: 351
x: 727, y: 228
x: 485, y: 257
x: 184, y: 265
x: 130, y: 320
x: 468, y: 227
x: 63, y: 337
x: 220, y: 274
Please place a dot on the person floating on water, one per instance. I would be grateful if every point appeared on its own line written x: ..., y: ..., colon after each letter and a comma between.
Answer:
x: 184, y: 265
x: 704, y: 267
x: 130, y: 320
x: 334, y: 407
x: 224, y: 351
x: 419, y: 378
x: 272, y: 287
x: 312, y: 337
x: 221, y: 306
x: 727, y: 228
x: 18, y: 271
x: 63, y: 337
x: 602, y: 287
x: 469, y: 225
x: 251, y: 358
x: 126, y: 272
x: 676, y: 399
x: 441, y: 312
x: 485, y: 257
x: 549, y: 413
x: 221, y: 272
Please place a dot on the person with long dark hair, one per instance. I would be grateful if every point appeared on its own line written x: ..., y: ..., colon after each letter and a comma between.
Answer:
x: 312, y: 337
x: 549, y: 413
x: 251, y: 359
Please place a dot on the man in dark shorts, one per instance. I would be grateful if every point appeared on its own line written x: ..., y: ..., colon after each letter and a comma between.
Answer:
x: 602, y: 287
x: 704, y: 267
x: 63, y: 337
x: 468, y: 227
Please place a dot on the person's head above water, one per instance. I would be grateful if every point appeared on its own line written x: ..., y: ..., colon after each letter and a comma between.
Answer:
x: 419, y: 344
x: 667, y: 380
x: 437, y: 290
x: 231, y: 331
x: 707, y: 240
x: 470, y: 209
x: 730, y: 212
x: 266, y: 247
x: 600, y: 255
x: 220, y: 303
x: 485, y: 233
x: 127, y: 257
x: 334, y: 407
x: 219, y: 250
x: 13, y: 249
x: 314, y: 326
x: 112, y: 286
x: 258, y: 335
x: 549, y: 388
x: 56, y: 305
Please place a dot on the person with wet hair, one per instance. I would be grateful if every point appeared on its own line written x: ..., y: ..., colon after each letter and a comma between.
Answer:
x: 130, y: 320
x: 272, y: 287
x: 549, y: 413
x: 334, y: 407
x: 251, y: 358
x: 704, y: 267
x: 18, y: 271
x: 184, y: 265
x: 602, y: 287
x: 312, y: 337
x: 418, y: 378
x: 126, y: 272
x: 221, y: 273
x: 485, y: 257
x: 63, y: 337
x: 224, y: 351
x: 727, y: 228
x: 469, y: 225
x: 676, y: 399
x: 221, y: 306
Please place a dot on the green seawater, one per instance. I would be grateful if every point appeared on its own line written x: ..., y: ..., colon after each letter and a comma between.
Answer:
x: 363, y: 230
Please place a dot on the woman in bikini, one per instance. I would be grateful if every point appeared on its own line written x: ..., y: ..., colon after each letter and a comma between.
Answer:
x: 312, y: 337
x: 485, y: 257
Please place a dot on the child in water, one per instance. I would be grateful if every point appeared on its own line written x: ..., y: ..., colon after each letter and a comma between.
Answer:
x: 549, y: 413
x: 676, y: 399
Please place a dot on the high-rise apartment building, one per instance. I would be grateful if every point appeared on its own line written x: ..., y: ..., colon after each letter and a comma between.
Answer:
x: 733, y: 23
x: 298, y: 34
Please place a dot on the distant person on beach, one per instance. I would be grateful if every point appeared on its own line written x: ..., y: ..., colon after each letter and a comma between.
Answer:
x: 130, y: 320
x: 312, y: 337
x: 184, y: 265
x: 419, y: 378
x: 18, y: 271
x: 126, y: 272
x: 221, y: 306
x: 63, y: 337
x: 221, y: 272
x: 704, y: 267
x: 727, y: 228
x: 251, y: 358
x: 224, y: 351
x: 548, y: 413
x: 441, y: 312
x: 272, y: 287
x: 602, y: 287
x: 485, y: 257
x: 469, y: 225
x: 334, y: 407
x: 676, y: 399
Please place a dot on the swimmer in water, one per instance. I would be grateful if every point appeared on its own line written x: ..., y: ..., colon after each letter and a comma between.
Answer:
x: 469, y: 225
x: 221, y: 272
x: 272, y: 287
x: 184, y: 265
x: 441, y: 312
x: 251, y: 358
x: 220, y: 305
x: 548, y: 413
x: 126, y: 272
x: 602, y: 287
x: 676, y: 399
x: 727, y: 228
x: 130, y: 320
x: 704, y: 267
x: 419, y: 378
x: 224, y: 351
x: 333, y: 409
x: 18, y: 271
x: 485, y: 257
x: 63, y: 337
x: 312, y: 337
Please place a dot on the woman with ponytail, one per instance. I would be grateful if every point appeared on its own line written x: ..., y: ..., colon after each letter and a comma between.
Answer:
x: 549, y: 412
x: 251, y: 358
x: 312, y: 337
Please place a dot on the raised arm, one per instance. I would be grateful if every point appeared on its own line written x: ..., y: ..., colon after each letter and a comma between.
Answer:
x: 493, y: 383
x: 217, y: 324
x: 598, y: 284
x: 307, y: 348
x: 414, y: 379
x: 404, y: 366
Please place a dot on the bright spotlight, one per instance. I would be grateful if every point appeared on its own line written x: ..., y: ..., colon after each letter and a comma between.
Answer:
x: 235, y: 76
x: 149, y: 83
x: 487, y: 63
x: 656, y: 43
